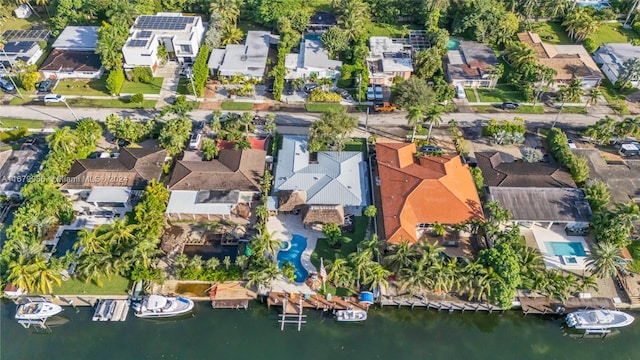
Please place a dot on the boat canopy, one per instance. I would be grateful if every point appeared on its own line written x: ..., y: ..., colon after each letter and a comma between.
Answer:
x: 156, y: 302
x: 366, y: 297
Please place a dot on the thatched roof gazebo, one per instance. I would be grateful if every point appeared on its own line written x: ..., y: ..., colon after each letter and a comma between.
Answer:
x: 323, y: 214
x: 289, y: 200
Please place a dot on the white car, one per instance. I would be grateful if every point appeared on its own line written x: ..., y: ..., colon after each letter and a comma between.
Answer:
x: 460, y: 94
x: 370, y: 94
x: 53, y: 98
x: 194, y: 143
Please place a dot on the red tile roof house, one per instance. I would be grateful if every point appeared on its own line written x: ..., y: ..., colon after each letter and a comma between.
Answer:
x: 423, y: 190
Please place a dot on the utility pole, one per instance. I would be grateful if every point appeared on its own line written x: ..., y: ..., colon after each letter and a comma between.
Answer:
x: 193, y: 87
x: 535, y: 97
x: 558, y: 115
x: 359, y: 89
x: 366, y: 124
x: 633, y: 7
x: 69, y: 107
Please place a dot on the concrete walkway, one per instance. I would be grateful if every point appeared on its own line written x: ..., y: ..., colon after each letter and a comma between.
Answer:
x: 171, y: 74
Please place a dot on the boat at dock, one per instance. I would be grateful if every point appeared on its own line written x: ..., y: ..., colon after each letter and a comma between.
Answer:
x: 158, y: 306
x: 598, y: 320
x: 36, y: 309
x: 351, y: 315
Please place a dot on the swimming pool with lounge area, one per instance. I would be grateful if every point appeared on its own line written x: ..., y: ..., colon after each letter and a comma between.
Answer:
x: 293, y: 254
x: 565, y: 248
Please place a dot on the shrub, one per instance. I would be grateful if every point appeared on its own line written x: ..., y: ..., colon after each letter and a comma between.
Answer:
x: 200, y: 70
x: 318, y: 95
x: 332, y: 232
x: 589, y: 44
x: 114, y: 81
x: 142, y: 74
x: 531, y: 155
x: 478, y: 180
x: 515, y: 126
x: 558, y: 144
x: 636, y: 27
x: 137, y: 98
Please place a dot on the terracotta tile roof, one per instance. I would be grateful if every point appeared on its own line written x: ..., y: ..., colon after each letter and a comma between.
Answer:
x: 423, y: 190
x: 497, y: 171
x: 134, y: 168
x: 233, y: 170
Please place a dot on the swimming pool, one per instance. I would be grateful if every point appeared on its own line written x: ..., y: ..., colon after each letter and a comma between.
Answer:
x: 294, y: 255
x: 453, y: 44
x: 65, y: 242
x: 560, y: 248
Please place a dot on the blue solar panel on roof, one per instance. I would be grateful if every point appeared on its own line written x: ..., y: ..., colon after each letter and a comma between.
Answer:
x: 137, y: 43
x: 144, y: 34
x: 164, y: 22
x: 35, y: 35
x: 16, y: 47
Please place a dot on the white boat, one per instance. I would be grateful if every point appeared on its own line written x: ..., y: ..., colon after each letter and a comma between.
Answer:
x: 351, y: 315
x: 598, y: 319
x: 37, y: 309
x: 157, y: 306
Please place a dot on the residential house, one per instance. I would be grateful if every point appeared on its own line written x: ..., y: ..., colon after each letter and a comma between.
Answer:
x: 598, y: 4
x: 321, y: 22
x: 326, y: 188
x: 180, y: 34
x: 312, y: 58
x: 544, y: 206
x: 417, y: 192
x: 611, y: 56
x: 109, y: 181
x: 73, y: 55
x: 388, y: 58
x: 249, y: 60
x: 23, y: 45
x: 219, y: 188
x: 17, y: 165
x: 569, y: 61
x: 22, y: 12
x: 469, y: 65
x: 501, y: 169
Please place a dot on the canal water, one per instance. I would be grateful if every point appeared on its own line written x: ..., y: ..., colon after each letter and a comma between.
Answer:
x: 389, y: 333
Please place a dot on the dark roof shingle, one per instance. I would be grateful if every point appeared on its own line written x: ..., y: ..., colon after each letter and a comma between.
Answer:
x: 497, y: 171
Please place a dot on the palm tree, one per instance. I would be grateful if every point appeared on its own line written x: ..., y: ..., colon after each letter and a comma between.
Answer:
x: 241, y: 261
x: 414, y: 116
x: 88, y: 241
x: 262, y: 212
x: 439, y: 229
x: 573, y: 92
x: 339, y: 272
x: 45, y: 276
x: 401, y: 256
x: 91, y: 268
x: 265, y: 243
x: 22, y: 273
x: 628, y: 213
x: 430, y: 252
x: 181, y: 261
x: 520, y: 54
x: 371, y: 246
x: 119, y: 234
x: 593, y: 96
x: 229, y: 10
x: 628, y: 127
x: 415, y: 278
x: 231, y: 34
x: 353, y: 18
x: 62, y: 140
x: 361, y: 263
x: 604, y: 260
x: 377, y: 276
x: 588, y: 283
x: 433, y: 117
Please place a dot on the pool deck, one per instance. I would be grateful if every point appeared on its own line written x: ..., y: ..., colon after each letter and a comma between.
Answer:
x: 556, y: 234
x: 283, y: 227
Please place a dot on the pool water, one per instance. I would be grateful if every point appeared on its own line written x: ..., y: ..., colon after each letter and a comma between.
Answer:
x: 453, y: 44
x: 294, y: 256
x: 66, y: 241
x: 572, y: 248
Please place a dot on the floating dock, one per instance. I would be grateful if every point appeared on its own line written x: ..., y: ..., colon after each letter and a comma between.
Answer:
x: 111, y: 310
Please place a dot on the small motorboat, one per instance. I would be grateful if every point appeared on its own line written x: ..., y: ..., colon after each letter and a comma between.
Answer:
x: 351, y: 315
x: 598, y: 319
x: 37, y: 309
x: 158, y: 306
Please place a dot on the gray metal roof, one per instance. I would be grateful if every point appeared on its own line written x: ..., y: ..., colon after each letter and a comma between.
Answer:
x: 249, y: 59
x: 336, y: 178
x: 109, y: 194
x: 316, y: 56
x: 543, y: 204
x: 82, y: 38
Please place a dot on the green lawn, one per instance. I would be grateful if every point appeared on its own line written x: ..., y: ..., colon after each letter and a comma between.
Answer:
x: 29, y: 124
x: 394, y: 31
x: 246, y: 25
x: 357, y: 144
x: 616, y: 97
x: 182, y: 86
x: 16, y: 100
x: 501, y: 94
x: 321, y: 107
x: 117, y: 285
x: 130, y: 87
x: 11, y: 135
x: 471, y: 95
x: 574, y: 110
x: 106, y: 103
x: 523, y: 109
x: 323, y: 250
x: 551, y: 32
x: 232, y: 105
x: 12, y: 23
x: 612, y: 33
x: 85, y: 87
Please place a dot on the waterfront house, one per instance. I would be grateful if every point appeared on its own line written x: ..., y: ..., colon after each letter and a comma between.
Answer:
x: 312, y: 58
x: 73, y: 55
x: 611, y: 56
x: 110, y: 181
x: 501, y: 169
x: 22, y: 45
x: 417, y: 192
x: 248, y: 60
x: 569, y: 61
x: 16, y: 166
x: 325, y: 186
x: 221, y: 187
x: 468, y: 64
x: 389, y: 58
x: 180, y: 34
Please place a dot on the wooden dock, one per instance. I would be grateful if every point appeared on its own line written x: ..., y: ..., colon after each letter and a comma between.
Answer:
x: 440, y: 305
x: 291, y: 302
x: 230, y: 295
x: 542, y: 305
x: 111, y: 310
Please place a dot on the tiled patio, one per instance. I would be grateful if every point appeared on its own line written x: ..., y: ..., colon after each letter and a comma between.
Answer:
x: 537, y: 236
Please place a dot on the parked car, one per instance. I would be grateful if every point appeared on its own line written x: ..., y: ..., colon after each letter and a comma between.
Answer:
x: 378, y: 94
x: 45, y: 86
x: 194, y: 143
x: 198, y: 126
x: 309, y: 87
x: 371, y: 95
x: 343, y: 93
x: 288, y: 88
x: 460, y: 94
x: 430, y: 149
x: 509, y: 106
x: 269, y: 85
x: 7, y: 86
x: 383, y: 107
x: 53, y: 98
